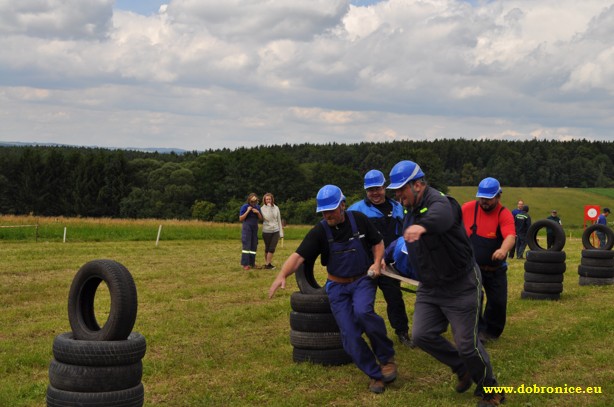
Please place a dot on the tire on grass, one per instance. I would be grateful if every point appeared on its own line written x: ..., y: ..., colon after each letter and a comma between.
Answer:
x: 122, y: 289
x: 595, y: 281
x: 310, y: 322
x: 543, y: 288
x: 306, y: 281
x: 326, y: 357
x: 67, y: 349
x: 312, y: 303
x: 586, y: 237
x: 527, y: 295
x: 132, y: 397
x: 94, y: 379
x: 559, y: 235
x: 315, y: 340
x: 545, y: 268
x: 546, y: 256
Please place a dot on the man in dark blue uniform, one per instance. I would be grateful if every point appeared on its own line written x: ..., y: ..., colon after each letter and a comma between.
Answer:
x: 450, y: 286
x: 349, y: 246
x: 387, y: 216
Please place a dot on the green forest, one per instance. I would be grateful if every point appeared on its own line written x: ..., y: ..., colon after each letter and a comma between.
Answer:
x: 212, y: 185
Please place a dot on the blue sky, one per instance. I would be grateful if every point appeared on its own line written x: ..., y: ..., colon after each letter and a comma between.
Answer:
x: 208, y: 74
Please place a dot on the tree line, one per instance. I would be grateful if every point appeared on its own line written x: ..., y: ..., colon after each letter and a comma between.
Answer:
x: 212, y: 185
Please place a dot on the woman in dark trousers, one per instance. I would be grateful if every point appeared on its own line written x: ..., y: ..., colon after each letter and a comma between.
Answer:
x: 250, y: 215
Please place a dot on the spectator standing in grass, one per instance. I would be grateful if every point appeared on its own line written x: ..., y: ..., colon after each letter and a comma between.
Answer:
x: 450, y: 283
x: 250, y: 215
x: 349, y: 246
x: 272, y: 229
x: 550, y: 232
x: 515, y: 212
x: 387, y: 216
x: 522, y: 221
x: 602, y: 220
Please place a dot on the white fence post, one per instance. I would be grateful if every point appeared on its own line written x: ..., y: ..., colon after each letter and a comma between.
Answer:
x: 158, y: 238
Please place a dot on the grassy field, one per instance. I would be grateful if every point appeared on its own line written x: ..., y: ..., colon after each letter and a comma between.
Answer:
x: 215, y: 339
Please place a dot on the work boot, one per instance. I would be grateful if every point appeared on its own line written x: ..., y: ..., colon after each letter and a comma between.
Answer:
x: 405, y: 339
x: 389, y: 371
x: 376, y: 386
x: 493, y: 399
x: 464, y: 382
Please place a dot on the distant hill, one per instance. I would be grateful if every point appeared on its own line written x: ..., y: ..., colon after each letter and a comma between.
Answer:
x: 160, y: 150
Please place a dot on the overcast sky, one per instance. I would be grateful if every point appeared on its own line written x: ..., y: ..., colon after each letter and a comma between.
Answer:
x: 208, y: 74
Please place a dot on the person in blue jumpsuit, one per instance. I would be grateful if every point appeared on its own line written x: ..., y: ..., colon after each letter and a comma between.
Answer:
x: 387, y: 216
x: 450, y: 285
x: 396, y: 255
x: 602, y: 220
x: 351, y: 248
x: 250, y: 215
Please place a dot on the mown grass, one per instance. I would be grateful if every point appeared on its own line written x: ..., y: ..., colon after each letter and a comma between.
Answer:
x: 215, y: 339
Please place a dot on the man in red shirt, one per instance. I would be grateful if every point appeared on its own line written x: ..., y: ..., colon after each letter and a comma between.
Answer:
x: 490, y: 227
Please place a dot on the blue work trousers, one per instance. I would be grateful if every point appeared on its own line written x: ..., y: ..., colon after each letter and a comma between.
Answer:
x: 493, y: 320
x: 249, y: 240
x: 352, y: 306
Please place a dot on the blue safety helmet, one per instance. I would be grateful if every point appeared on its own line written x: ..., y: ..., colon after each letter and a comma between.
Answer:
x: 488, y: 188
x: 374, y: 178
x: 403, y: 172
x: 329, y: 198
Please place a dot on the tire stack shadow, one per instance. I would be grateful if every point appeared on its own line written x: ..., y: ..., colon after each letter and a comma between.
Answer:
x: 314, y: 333
x: 544, y: 268
x: 99, y: 366
x: 597, y: 263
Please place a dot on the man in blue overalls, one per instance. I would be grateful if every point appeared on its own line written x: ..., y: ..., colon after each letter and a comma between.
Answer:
x: 350, y: 247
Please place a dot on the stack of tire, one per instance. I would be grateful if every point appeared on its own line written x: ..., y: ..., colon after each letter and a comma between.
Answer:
x: 314, y: 333
x: 597, y: 263
x: 99, y: 366
x: 544, y: 268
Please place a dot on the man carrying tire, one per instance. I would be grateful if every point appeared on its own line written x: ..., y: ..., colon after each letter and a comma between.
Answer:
x: 450, y: 285
x: 491, y: 230
x: 387, y: 216
x: 350, y: 246
x: 602, y: 220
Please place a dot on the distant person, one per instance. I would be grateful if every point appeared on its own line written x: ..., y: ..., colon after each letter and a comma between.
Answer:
x: 272, y: 229
x: 549, y: 231
x: 522, y: 221
x: 490, y: 227
x: 349, y: 246
x: 515, y: 212
x: 250, y: 215
x: 601, y: 220
x: 387, y: 216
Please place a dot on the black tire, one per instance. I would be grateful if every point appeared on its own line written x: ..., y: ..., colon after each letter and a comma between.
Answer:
x: 326, y: 357
x: 315, y: 340
x: 132, y: 397
x: 312, y: 303
x: 609, y: 234
x: 546, y: 256
x: 595, y: 272
x: 122, y: 314
x: 543, y: 278
x: 544, y: 288
x: 527, y: 295
x: 597, y: 254
x: 306, y: 281
x: 308, y: 322
x: 592, y: 262
x: 559, y: 235
x: 595, y: 281
x: 94, y: 378
x: 67, y: 349
x: 545, y: 268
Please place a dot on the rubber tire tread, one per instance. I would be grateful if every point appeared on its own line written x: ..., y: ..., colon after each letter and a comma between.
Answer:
x: 592, y: 262
x: 559, y: 235
x: 312, y: 303
x: 315, y: 340
x: 595, y: 272
x: 586, y: 237
x: 67, y: 349
x: 544, y: 268
x: 546, y: 256
x: 94, y: 379
x: 542, y: 278
x: 544, y: 288
x: 595, y: 281
x: 132, y: 397
x: 326, y: 357
x: 122, y: 289
x: 598, y: 254
x: 527, y: 295
x: 306, y: 281
x: 311, y: 322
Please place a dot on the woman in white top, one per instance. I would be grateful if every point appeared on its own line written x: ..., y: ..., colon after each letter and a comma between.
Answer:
x: 272, y: 228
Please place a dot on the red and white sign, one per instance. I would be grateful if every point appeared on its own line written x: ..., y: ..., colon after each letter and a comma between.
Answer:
x: 591, y: 212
